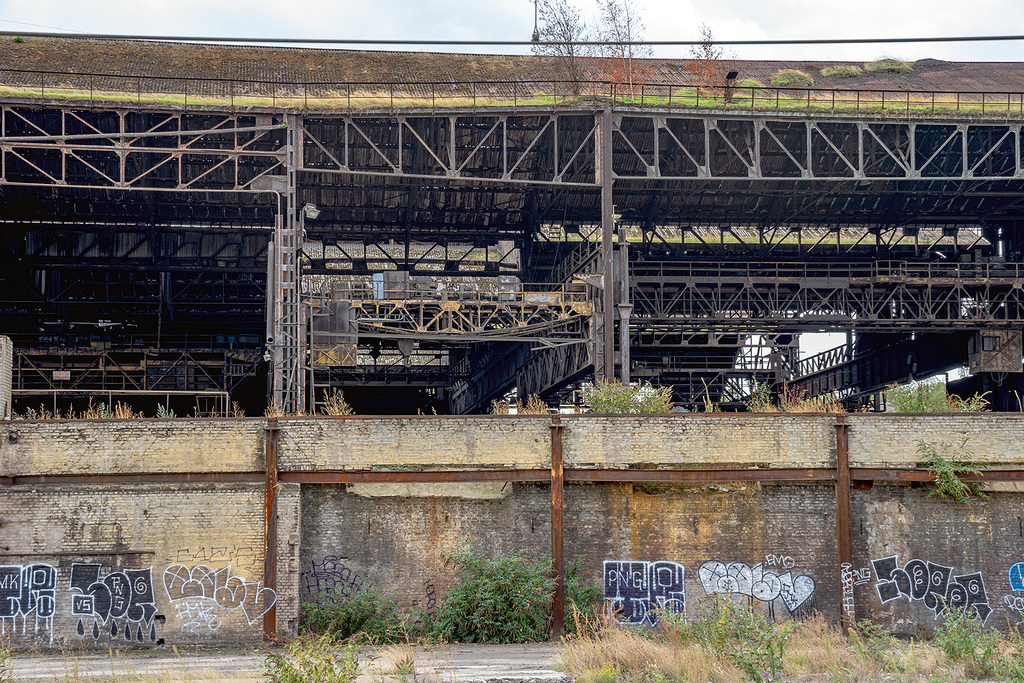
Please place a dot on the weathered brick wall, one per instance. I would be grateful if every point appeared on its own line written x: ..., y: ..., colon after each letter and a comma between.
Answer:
x: 141, y: 564
x: 944, y: 544
x: 6, y: 363
x: 131, y: 446
x: 891, y: 440
x: 700, y: 440
x: 398, y: 544
x: 183, y: 562
x: 356, y: 443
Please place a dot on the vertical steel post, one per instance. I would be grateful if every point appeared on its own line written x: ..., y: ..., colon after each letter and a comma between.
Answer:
x: 270, y: 526
x: 624, y: 307
x: 289, y: 393
x: 557, y: 509
x: 844, y: 533
x: 604, y: 169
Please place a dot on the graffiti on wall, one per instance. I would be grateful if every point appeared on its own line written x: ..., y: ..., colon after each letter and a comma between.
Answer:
x: 431, y: 604
x: 122, y: 603
x: 933, y: 583
x: 331, y: 578
x: 1015, y: 601
x: 756, y: 582
x: 848, y: 578
x: 635, y: 591
x: 202, y: 554
x: 199, y: 593
x: 28, y: 591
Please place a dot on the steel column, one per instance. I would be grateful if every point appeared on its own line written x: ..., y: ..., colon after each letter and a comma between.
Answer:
x: 844, y: 539
x: 604, y: 173
x: 557, y: 510
x: 271, y: 434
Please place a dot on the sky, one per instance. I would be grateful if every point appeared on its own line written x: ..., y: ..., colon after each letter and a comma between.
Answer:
x: 513, y: 20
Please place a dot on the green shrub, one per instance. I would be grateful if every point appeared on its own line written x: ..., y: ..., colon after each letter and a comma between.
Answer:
x: 791, y: 78
x: 761, y: 399
x: 19, y: 39
x: 931, y: 397
x: 616, y: 398
x: 320, y: 659
x: 368, y: 615
x: 964, y: 640
x: 504, y: 599
x: 947, y: 463
x: 581, y: 599
x: 888, y: 66
x: 748, y: 83
x: 842, y: 71
x: 755, y: 644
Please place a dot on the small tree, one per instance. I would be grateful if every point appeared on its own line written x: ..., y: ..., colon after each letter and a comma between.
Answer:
x: 706, y: 66
x: 561, y: 22
x: 621, y: 25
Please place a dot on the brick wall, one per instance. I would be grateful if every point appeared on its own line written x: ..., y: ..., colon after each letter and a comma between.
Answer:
x: 182, y: 560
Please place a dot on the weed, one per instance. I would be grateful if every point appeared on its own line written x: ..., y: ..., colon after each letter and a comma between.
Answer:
x: 6, y: 674
x: 791, y: 78
x: 889, y: 65
x: 503, y: 599
x: 761, y: 399
x: 946, y: 463
x: 617, y: 398
x: 964, y: 640
x: 236, y: 410
x: 320, y: 658
x: 581, y: 599
x: 368, y: 615
x: 931, y: 397
x: 19, y: 39
x: 163, y: 412
x: 335, y: 404
x: 842, y: 71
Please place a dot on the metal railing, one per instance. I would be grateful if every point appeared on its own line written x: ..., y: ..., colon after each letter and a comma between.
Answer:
x: 795, y: 272
x: 351, y: 96
x: 507, y: 294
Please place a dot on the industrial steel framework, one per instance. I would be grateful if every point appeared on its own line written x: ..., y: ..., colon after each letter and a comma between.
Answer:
x: 726, y: 225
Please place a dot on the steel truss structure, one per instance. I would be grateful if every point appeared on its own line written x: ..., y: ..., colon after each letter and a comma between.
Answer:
x: 672, y: 224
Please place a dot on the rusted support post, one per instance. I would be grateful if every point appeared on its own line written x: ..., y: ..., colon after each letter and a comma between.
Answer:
x: 270, y: 527
x: 557, y: 559
x: 844, y: 534
x: 604, y: 179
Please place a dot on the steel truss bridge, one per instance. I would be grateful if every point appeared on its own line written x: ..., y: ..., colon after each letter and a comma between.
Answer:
x: 437, y: 258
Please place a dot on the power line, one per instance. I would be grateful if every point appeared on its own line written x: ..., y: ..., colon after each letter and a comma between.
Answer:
x: 25, y: 23
x: 370, y: 41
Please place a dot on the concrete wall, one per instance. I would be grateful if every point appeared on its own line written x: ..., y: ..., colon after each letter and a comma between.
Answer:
x: 162, y: 536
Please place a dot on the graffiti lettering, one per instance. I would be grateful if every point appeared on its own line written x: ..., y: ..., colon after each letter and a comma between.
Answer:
x: 331, y: 578
x: 932, y: 583
x: 126, y: 595
x: 756, y: 582
x: 784, y: 561
x: 28, y: 590
x: 431, y: 606
x: 203, y: 588
x: 635, y: 591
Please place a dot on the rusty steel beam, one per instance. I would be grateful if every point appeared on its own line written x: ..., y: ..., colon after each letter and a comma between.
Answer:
x: 683, y: 476
x: 422, y: 477
x: 271, y: 435
x: 557, y: 518
x: 844, y: 533
x: 912, y: 475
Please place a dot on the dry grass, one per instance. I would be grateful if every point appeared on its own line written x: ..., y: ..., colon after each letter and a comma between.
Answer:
x: 818, y: 651
x: 335, y: 404
x: 533, y: 406
x: 635, y: 655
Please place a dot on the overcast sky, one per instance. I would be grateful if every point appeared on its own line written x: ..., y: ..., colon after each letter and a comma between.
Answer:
x: 513, y: 20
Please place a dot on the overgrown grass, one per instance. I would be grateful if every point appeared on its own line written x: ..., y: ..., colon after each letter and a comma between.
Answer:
x: 742, y: 96
x: 611, y: 397
x: 842, y: 71
x: 791, y: 78
x: 931, y: 397
x: 318, y: 658
x: 366, y: 616
x: 789, y: 400
x: 710, y: 646
x: 888, y: 65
